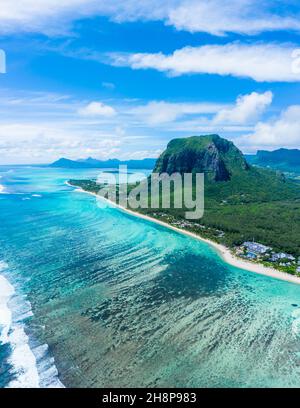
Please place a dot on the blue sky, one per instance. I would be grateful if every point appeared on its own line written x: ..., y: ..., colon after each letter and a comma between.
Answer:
x: 120, y: 79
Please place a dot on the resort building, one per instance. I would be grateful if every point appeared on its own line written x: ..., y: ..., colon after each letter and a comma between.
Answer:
x: 282, y: 255
x: 256, y: 248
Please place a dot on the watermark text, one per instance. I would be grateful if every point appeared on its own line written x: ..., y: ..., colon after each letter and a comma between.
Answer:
x: 156, y: 191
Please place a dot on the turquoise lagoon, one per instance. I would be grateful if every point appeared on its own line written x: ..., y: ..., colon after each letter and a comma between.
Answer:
x: 95, y: 297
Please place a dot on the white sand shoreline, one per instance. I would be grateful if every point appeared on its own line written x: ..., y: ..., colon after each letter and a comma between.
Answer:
x: 223, y: 251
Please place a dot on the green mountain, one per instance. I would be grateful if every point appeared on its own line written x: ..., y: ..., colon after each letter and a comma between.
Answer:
x: 228, y: 175
x: 68, y: 164
x: 242, y: 201
x: 218, y: 158
x: 287, y: 160
x: 146, y: 164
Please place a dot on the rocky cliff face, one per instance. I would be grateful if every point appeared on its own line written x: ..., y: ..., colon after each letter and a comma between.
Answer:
x: 218, y: 158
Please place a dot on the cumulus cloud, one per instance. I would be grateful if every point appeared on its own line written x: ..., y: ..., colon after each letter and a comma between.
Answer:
x: 248, y: 109
x: 158, y: 112
x: 213, y: 16
x: 198, y: 117
x: 42, y: 142
x: 37, y: 127
x: 97, y: 109
x: 283, y: 131
x: 261, y: 62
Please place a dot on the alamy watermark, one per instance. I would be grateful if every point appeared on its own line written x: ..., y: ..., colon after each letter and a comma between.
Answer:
x: 156, y: 191
x: 2, y: 62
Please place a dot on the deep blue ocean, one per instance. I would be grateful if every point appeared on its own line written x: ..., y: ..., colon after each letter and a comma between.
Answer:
x: 95, y: 297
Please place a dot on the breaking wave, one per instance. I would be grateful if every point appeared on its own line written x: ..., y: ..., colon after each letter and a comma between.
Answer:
x: 27, y: 366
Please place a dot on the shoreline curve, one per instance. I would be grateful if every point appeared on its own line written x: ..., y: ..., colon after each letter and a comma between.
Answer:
x: 222, y: 250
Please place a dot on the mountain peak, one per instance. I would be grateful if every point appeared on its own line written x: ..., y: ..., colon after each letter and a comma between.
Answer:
x: 218, y: 158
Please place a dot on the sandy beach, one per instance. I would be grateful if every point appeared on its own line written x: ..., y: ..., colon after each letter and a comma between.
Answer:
x: 223, y: 251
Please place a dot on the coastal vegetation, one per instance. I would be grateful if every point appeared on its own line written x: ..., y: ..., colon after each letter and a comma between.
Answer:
x: 242, y: 202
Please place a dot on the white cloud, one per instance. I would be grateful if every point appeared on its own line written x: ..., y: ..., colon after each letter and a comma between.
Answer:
x: 261, y: 62
x: 247, y: 110
x: 142, y: 154
x: 24, y: 142
x: 283, y: 131
x: 219, y: 17
x: 38, y: 128
x: 159, y: 112
x: 198, y: 117
x: 97, y: 109
x: 56, y: 17
x: 213, y: 16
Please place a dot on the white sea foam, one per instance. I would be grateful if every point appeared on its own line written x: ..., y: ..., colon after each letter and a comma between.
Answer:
x: 23, y: 360
x: 36, y: 195
x: 32, y: 368
x: 6, y: 291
